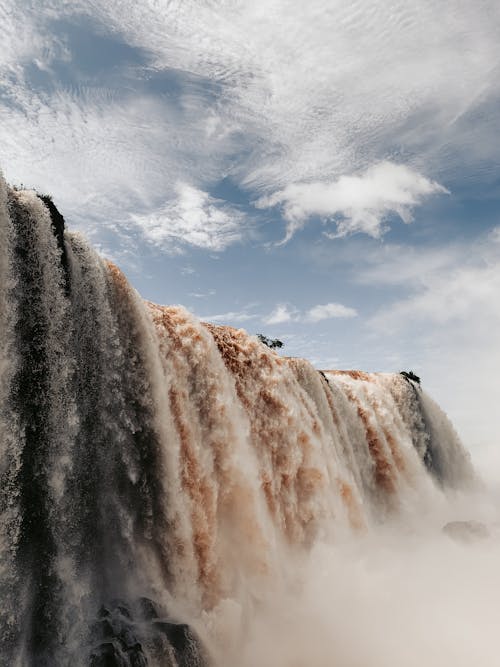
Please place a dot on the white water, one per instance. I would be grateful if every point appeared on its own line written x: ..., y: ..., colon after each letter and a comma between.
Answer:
x: 292, y: 518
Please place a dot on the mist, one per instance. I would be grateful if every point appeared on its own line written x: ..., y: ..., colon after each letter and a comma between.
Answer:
x: 405, y: 593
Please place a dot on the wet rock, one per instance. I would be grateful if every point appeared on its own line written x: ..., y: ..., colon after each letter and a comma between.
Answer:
x: 102, y: 629
x: 137, y: 657
x: 103, y: 611
x: 126, y: 639
x: 121, y: 607
x: 466, y: 531
x: 187, y: 648
x: 108, y: 655
x: 116, y: 633
x: 58, y: 226
x: 148, y: 609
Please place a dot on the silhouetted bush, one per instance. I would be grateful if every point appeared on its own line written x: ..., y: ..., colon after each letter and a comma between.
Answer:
x: 270, y: 342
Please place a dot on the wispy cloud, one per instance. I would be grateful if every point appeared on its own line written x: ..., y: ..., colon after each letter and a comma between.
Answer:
x: 328, y: 311
x: 102, y: 147
x: 283, y: 313
x: 358, y: 203
x: 445, y: 285
x: 464, y: 294
x: 393, y: 265
x: 95, y: 153
x: 230, y: 317
x: 193, y: 218
x: 202, y: 295
x: 356, y: 94
x: 294, y: 130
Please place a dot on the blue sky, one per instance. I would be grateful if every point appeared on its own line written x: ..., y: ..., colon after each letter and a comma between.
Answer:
x: 323, y: 172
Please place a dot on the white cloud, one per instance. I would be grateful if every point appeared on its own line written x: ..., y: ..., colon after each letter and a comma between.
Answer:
x: 230, y: 317
x: 458, y: 284
x: 100, y: 155
x: 202, y: 295
x: 355, y: 203
x: 462, y: 294
x: 358, y: 92
x: 321, y: 89
x: 194, y: 218
x: 101, y: 151
x: 281, y: 314
x: 329, y: 310
x: 21, y: 40
x: 400, y: 265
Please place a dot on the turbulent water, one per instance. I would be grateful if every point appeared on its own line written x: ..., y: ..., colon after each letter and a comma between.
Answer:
x: 163, y: 480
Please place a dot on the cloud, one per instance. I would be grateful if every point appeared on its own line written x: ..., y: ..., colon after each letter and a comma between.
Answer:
x: 456, y: 284
x: 284, y: 313
x: 359, y: 91
x: 329, y: 310
x: 281, y: 314
x: 355, y: 203
x: 21, y: 40
x: 230, y: 317
x: 193, y: 218
x: 463, y: 293
x: 401, y: 265
x: 202, y: 295
x: 238, y: 104
x: 102, y: 146
x: 99, y: 153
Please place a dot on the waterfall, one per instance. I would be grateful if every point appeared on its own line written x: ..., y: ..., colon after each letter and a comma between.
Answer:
x: 154, y: 468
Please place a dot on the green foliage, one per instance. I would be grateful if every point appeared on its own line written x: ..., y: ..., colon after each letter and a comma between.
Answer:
x: 270, y: 342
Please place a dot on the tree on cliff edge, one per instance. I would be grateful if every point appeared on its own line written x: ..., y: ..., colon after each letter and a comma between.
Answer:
x: 270, y: 342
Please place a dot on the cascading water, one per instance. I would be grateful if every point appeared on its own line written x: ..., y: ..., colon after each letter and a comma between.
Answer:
x: 157, y: 471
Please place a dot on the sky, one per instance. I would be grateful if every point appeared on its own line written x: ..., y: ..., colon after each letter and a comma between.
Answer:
x: 326, y: 173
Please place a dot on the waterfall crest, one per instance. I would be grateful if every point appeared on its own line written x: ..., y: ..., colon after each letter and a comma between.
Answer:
x: 147, y: 458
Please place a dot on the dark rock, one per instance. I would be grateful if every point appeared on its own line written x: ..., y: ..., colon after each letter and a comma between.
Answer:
x: 121, y: 646
x: 103, y: 611
x: 466, y: 531
x: 125, y: 641
x: 137, y: 658
x: 102, y: 629
x: 128, y: 639
x: 124, y: 611
x: 187, y: 648
x: 148, y: 609
x: 58, y: 228
x: 108, y: 655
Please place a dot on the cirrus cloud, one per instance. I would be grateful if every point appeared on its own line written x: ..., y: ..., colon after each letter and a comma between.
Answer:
x: 212, y: 91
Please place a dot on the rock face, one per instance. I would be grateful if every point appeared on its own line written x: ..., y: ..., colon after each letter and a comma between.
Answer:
x: 144, y: 635
x: 466, y: 531
x: 58, y: 226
